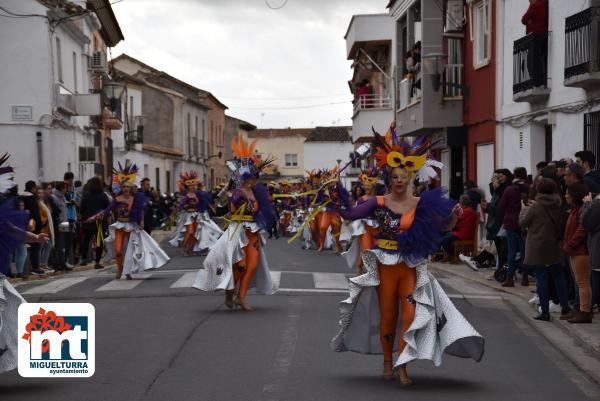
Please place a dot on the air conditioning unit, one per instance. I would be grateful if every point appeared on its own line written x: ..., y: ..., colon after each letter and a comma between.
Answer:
x: 455, y: 15
x: 89, y: 154
x: 66, y: 104
x: 98, y: 62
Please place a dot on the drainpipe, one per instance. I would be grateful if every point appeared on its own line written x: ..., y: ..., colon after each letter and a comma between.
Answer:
x: 40, y: 158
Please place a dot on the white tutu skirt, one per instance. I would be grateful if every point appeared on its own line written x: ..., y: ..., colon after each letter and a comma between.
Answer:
x: 9, y: 307
x: 207, y: 231
x: 218, y: 265
x: 438, y: 326
x: 141, y: 251
x: 352, y: 233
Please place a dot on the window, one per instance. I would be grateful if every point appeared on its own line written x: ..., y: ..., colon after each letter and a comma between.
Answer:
x: 480, y: 33
x: 75, y: 86
x: 157, y: 180
x: 189, y: 133
x: 196, y: 136
x: 453, y: 75
x: 131, y: 115
x: 168, y: 177
x: 291, y: 160
x: 59, y: 60
x: 591, y: 132
x: 355, y: 161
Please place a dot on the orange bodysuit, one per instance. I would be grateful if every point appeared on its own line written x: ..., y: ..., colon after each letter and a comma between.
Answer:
x: 243, y: 271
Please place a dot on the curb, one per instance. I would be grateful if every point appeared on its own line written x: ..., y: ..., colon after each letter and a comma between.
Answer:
x: 159, y: 236
x: 590, y: 342
x: 588, y: 355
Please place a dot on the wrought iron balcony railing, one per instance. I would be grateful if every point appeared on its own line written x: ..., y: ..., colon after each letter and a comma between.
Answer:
x: 582, y: 44
x: 530, y: 62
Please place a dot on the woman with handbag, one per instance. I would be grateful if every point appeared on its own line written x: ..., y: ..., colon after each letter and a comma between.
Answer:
x: 575, y: 246
x: 541, y: 217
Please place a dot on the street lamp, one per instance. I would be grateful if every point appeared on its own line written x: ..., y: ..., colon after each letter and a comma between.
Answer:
x: 113, y: 92
x: 433, y: 65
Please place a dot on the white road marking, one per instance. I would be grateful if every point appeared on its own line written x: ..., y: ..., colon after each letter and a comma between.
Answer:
x: 122, y: 284
x: 276, y: 278
x: 330, y: 281
x: 313, y: 290
x: 185, y: 281
x: 55, y: 286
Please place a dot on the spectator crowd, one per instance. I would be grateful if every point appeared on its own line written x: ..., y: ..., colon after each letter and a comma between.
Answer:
x: 545, y: 225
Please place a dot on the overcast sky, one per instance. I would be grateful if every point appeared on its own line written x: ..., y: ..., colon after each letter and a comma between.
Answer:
x: 247, y: 54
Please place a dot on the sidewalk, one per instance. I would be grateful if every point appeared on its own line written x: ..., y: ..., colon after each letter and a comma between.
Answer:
x: 586, y: 337
x: 159, y: 236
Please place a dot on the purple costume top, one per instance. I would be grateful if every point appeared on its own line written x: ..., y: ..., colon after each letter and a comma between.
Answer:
x: 128, y: 212
x: 13, y: 232
x: 263, y: 211
x: 432, y: 216
x: 198, y: 203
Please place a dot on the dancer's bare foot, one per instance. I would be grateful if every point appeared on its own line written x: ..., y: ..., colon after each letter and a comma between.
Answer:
x: 388, y: 373
x: 119, y: 273
x: 403, y: 378
x: 241, y: 303
x: 229, y: 299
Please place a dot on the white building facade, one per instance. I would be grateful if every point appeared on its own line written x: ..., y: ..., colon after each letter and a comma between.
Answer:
x: 561, y: 116
x: 45, y: 102
x: 328, y: 147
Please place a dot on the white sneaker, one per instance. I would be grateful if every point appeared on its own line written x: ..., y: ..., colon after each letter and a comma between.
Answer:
x: 468, y: 261
x: 535, y: 300
x: 555, y: 308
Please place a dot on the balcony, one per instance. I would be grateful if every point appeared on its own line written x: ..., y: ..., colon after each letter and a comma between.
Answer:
x: 372, y: 28
x: 428, y: 102
x: 373, y: 110
x: 582, y: 49
x: 408, y: 93
x: 530, y: 68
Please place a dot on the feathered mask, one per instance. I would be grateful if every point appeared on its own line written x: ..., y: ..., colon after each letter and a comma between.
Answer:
x: 6, y: 175
x: 246, y: 164
x: 187, y: 179
x: 369, y: 177
x: 413, y: 158
x: 127, y: 174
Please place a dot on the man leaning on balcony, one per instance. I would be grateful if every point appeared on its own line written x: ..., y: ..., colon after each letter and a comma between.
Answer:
x: 536, y: 24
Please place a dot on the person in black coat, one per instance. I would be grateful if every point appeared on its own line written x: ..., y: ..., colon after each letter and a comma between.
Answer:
x: 149, y: 220
x: 32, y: 206
x: 93, y: 201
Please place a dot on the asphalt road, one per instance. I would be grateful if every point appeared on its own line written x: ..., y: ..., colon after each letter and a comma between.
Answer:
x: 161, y: 340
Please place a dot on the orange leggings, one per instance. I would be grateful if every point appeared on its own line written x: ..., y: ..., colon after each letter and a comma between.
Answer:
x: 314, y: 228
x: 330, y: 219
x: 121, y: 236
x: 189, y: 240
x: 397, y: 283
x: 243, y: 271
x: 365, y: 241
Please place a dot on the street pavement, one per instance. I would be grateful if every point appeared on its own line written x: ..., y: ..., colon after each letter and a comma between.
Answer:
x: 159, y: 339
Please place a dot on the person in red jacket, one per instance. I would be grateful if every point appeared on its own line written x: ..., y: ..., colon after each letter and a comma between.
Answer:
x: 536, y: 17
x: 465, y: 226
x: 575, y: 246
x: 536, y: 24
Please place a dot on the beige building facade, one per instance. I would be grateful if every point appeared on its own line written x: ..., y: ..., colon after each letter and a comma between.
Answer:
x: 286, y: 146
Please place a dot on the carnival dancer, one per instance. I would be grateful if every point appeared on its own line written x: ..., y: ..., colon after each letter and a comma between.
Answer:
x: 195, y: 230
x: 395, y: 272
x: 238, y: 260
x: 128, y: 243
x: 329, y: 216
x: 13, y: 223
x: 362, y: 232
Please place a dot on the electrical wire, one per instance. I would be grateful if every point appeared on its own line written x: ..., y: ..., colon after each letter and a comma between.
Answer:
x: 283, y: 98
x: 311, y: 106
x: 276, y: 8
